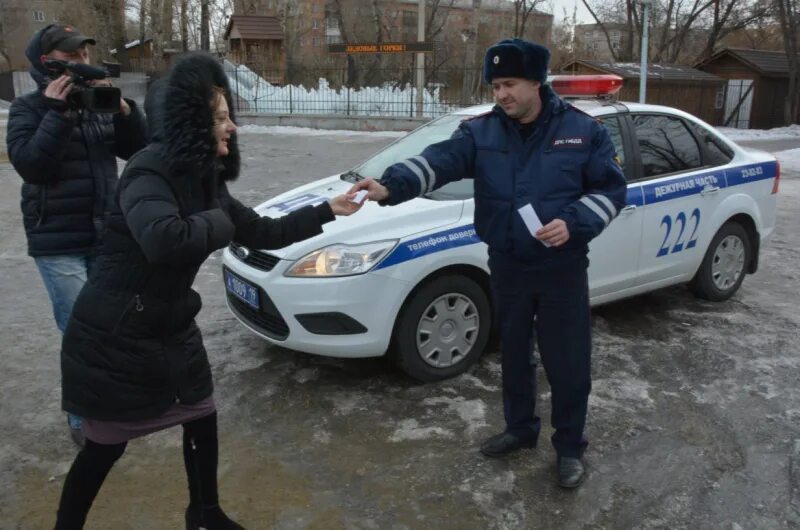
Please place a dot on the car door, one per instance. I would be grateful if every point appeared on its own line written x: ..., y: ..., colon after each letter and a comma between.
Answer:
x: 680, y: 191
x: 614, y: 254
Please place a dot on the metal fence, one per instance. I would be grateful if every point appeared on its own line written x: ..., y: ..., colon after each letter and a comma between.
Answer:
x: 348, y: 92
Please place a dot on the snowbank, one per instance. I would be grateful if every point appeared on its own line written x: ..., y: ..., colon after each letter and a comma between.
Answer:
x: 779, y: 133
x: 305, y: 131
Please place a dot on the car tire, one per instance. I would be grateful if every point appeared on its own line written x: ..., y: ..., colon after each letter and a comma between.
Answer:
x: 442, y: 329
x: 724, y: 264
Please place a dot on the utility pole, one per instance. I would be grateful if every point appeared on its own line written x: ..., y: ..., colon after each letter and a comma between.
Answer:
x: 645, y: 48
x: 420, y: 57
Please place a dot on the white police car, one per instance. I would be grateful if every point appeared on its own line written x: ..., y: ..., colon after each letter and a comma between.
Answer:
x: 412, y: 280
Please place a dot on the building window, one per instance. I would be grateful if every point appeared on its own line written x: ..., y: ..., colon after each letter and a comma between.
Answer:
x: 332, y: 23
x: 334, y: 39
x: 38, y: 16
x: 315, y: 41
x: 315, y: 24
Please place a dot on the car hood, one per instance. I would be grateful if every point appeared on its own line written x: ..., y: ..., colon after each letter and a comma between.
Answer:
x: 371, y: 223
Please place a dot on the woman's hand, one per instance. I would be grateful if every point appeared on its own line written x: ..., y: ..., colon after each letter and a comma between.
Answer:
x: 342, y: 205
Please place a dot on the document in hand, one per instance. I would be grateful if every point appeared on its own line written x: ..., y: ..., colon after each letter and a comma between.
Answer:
x: 359, y: 197
x: 531, y: 220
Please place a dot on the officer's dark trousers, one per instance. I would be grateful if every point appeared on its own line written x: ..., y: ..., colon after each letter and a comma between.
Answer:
x: 551, y: 306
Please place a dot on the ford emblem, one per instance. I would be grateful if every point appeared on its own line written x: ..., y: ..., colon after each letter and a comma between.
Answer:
x: 242, y: 252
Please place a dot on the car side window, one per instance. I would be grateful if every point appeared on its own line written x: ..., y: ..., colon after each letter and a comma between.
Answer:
x: 665, y: 144
x: 717, y: 153
x: 614, y: 128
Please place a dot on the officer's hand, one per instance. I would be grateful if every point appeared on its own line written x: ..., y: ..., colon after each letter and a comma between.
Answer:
x: 59, y: 89
x: 375, y: 190
x: 555, y: 233
x: 341, y: 205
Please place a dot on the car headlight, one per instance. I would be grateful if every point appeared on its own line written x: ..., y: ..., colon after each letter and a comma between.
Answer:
x: 341, y: 260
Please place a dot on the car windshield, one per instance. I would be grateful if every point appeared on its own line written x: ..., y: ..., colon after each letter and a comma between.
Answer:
x: 413, y: 144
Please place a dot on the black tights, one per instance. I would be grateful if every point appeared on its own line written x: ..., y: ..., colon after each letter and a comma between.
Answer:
x: 94, y: 461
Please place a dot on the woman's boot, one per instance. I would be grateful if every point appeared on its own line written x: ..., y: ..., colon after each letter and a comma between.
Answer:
x: 85, y: 477
x: 200, y: 455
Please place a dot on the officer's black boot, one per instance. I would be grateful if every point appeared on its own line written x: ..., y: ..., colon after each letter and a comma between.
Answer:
x: 200, y: 456
x: 571, y: 472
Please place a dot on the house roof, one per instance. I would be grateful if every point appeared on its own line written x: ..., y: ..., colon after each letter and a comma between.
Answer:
x: 655, y: 71
x: 608, y: 26
x: 257, y: 27
x: 765, y: 62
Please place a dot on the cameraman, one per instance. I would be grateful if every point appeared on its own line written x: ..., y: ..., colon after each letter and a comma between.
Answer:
x: 66, y: 157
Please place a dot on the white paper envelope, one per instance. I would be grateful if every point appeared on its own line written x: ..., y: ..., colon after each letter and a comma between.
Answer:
x: 531, y: 221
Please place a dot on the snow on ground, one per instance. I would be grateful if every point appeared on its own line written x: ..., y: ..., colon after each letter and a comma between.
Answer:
x: 779, y: 133
x: 305, y: 131
x: 790, y: 160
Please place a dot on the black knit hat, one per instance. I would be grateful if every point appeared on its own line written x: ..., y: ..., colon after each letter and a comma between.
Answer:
x: 516, y: 58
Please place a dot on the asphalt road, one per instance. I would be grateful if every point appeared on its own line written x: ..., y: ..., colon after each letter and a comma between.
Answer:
x: 694, y: 420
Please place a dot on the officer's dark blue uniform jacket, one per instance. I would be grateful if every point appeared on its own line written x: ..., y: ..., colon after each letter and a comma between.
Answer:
x: 565, y: 169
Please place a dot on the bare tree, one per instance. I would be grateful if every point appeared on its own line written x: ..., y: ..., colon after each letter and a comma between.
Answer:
x: 184, y: 25
x: 6, y: 62
x: 676, y: 27
x: 204, y: 26
x: 788, y: 12
x: 729, y: 16
x: 522, y: 12
x: 562, y: 47
x: 110, y: 26
x: 605, y: 14
x: 471, y: 79
x: 156, y: 28
x: 338, y: 12
x: 142, y: 21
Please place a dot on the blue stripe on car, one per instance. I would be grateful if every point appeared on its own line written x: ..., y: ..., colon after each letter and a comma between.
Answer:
x: 641, y: 195
x: 422, y: 246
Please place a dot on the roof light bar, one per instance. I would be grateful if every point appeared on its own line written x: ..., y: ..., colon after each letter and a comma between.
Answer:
x: 600, y: 85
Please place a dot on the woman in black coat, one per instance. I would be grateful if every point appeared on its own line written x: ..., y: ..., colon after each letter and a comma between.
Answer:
x: 133, y: 360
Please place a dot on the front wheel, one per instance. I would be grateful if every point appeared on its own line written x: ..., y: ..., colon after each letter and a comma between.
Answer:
x: 443, y: 329
x: 724, y: 264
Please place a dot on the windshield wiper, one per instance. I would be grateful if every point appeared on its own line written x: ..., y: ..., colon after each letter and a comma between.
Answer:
x: 351, y: 176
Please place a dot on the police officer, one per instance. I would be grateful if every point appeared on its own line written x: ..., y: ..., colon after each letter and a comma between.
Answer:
x: 531, y: 151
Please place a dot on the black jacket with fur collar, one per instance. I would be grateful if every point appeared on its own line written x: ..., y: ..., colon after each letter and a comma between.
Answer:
x: 132, y: 347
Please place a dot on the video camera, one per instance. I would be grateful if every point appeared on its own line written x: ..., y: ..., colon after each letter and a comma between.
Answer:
x: 99, y: 99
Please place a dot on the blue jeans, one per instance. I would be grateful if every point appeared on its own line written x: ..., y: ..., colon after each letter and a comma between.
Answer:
x: 63, y: 277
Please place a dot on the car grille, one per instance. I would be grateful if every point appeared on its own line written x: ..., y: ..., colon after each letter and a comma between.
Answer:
x: 267, y: 321
x: 256, y: 259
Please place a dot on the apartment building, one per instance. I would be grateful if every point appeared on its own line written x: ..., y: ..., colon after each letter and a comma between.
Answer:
x: 19, y: 19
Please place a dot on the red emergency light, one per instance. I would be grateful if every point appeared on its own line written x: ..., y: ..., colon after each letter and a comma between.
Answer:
x: 601, y: 85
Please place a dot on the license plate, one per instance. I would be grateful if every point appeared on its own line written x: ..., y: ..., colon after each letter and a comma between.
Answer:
x: 241, y: 289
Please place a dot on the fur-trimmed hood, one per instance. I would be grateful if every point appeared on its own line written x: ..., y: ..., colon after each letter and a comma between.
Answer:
x: 181, y: 121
